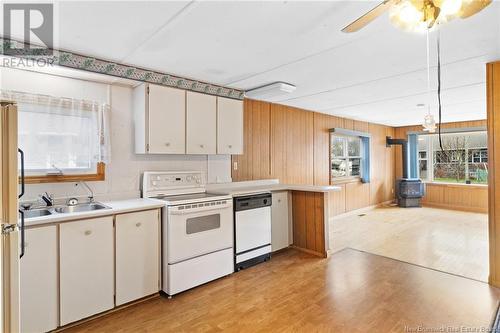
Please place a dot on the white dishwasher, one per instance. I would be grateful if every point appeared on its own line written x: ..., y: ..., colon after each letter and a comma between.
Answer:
x: 252, y: 229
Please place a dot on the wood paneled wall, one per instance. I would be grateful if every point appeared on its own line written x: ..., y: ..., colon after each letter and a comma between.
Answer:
x: 255, y: 163
x: 450, y: 196
x: 294, y: 144
x: 309, y: 222
x: 471, y: 198
x: 493, y: 124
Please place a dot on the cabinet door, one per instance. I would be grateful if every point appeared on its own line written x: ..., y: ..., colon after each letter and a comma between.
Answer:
x: 201, y: 123
x: 167, y: 120
x: 137, y: 255
x: 229, y: 126
x: 39, y: 304
x: 86, y: 268
x: 279, y: 222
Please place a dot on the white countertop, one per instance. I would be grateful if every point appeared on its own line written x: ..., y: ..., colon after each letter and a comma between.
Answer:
x: 250, y: 187
x: 116, y: 207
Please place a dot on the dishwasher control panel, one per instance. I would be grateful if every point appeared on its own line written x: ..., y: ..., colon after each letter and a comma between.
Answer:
x: 253, y: 201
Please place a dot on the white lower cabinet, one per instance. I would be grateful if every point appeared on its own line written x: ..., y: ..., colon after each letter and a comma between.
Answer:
x: 38, y: 270
x: 86, y: 268
x: 137, y: 255
x: 280, y: 228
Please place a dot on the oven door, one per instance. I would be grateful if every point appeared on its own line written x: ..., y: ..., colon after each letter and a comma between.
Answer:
x: 198, y: 229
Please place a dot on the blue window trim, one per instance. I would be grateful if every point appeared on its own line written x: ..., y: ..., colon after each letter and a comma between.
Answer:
x: 366, y: 145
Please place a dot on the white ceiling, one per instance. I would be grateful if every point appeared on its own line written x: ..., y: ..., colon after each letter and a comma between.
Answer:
x: 377, y: 74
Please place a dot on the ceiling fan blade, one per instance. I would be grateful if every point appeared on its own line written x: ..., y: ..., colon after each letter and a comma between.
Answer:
x: 471, y: 7
x: 370, y: 16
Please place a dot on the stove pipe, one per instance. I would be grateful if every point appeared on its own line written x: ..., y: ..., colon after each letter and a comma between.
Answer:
x: 404, y: 150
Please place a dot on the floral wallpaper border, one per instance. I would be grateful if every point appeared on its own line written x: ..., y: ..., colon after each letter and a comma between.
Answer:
x: 91, y: 64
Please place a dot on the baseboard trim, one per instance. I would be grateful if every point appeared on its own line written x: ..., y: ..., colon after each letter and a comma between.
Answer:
x: 362, y: 210
x: 455, y: 207
x: 105, y: 313
x: 315, y: 253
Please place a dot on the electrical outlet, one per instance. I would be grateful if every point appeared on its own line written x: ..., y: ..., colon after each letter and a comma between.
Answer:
x: 235, y: 166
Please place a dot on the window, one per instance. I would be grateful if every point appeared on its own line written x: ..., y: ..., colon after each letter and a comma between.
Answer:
x: 464, y: 158
x: 345, y: 156
x: 423, y: 160
x: 62, y: 139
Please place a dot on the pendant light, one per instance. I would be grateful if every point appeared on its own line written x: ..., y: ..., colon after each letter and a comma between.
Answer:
x: 429, y: 121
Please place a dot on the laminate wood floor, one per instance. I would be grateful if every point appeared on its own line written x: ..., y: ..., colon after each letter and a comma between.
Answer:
x: 446, y: 240
x: 352, y: 291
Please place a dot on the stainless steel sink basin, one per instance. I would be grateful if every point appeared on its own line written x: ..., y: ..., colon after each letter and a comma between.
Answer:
x: 80, y: 208
x: 36, y: 213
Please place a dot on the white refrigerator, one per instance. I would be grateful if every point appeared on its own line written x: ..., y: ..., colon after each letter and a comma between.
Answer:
x: 9, y: 217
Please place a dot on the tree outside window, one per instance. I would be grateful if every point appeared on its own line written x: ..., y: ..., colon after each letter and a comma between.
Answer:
x: 463, y: 159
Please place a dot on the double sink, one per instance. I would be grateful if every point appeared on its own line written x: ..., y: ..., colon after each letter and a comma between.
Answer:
x: 66, y: 209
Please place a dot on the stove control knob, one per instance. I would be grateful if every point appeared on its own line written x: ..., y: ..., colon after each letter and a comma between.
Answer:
x: 189, y: 178
x: 155, y: 183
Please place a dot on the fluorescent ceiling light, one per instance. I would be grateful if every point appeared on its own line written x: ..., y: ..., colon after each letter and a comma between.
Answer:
x: 271, y: 90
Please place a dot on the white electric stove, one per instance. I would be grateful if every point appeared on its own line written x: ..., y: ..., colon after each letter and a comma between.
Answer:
x: 197, y: 229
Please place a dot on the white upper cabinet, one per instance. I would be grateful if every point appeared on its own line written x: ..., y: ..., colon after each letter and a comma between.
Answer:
x: 160, y: 119
x: 175, y: 121
x: 201, y: 123
x: 229, y: 126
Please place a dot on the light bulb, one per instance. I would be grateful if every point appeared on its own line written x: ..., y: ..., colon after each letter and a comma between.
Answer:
x: 429, y: 123
x: 409, y: 14
x: 450, y: 7
x: 407, y: 17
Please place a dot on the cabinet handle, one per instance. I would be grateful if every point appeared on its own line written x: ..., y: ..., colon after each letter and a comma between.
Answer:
x: 167, y: 144
x: 202, y: 146
x: 230, y: 146
x: 138, y: 224
x: 279, y: 200
x: 88, y: 232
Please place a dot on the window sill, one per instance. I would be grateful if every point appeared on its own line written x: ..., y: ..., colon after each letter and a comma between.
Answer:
x: 456, y: 184
x: 347, y: 180
x: 99, y: 176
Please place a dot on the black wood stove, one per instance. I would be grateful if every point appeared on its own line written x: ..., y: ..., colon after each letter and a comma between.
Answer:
x: 409, y: 192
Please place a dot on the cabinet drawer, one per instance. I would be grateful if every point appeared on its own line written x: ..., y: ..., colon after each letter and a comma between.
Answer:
x: 137, y: 255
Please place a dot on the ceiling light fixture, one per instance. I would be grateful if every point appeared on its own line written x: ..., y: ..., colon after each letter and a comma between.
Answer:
x: 420, y: 15
x: 270, y: 91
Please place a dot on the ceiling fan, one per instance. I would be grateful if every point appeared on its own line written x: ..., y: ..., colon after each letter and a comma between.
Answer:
x: 420, y: 15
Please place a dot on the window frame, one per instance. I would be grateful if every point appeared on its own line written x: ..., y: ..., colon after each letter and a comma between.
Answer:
x: 433, y: 156
x: 99, y: 175
x: 346, y: 158
x: 97, y: 169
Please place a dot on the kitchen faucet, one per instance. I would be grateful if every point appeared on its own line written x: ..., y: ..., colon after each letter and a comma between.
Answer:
x: 47, y: 198
x: 91, y: 193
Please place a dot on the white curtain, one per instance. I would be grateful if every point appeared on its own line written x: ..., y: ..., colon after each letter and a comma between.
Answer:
x: 61, y: 134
